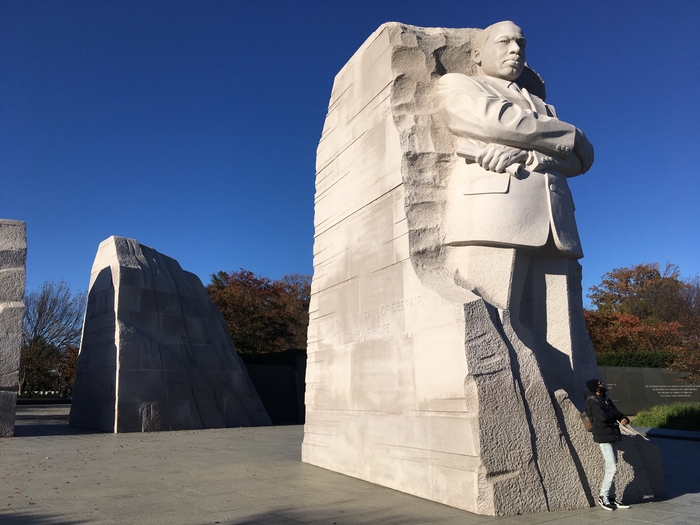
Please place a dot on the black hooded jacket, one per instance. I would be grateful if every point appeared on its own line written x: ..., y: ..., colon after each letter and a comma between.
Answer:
x: 605, y: 417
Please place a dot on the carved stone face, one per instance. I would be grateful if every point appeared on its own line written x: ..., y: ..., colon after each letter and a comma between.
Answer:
x: 503, y: 54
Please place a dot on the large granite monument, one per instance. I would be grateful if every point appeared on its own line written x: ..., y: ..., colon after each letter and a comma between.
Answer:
x: 447, y: 348
x: 155, y: 352
x: 13, y: 259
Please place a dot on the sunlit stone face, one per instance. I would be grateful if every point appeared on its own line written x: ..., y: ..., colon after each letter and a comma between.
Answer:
x: 503, y: 54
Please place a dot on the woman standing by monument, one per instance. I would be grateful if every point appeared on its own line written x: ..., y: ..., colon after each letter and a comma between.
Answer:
x: 606, y: 419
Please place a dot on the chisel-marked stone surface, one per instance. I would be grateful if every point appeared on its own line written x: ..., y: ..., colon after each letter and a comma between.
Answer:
x: 13, y: 257
x: 155, y: 352
x: 447, y: 346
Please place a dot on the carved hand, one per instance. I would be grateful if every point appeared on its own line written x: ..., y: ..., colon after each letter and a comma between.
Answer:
x: 497, y: 157
x: 583, y: 150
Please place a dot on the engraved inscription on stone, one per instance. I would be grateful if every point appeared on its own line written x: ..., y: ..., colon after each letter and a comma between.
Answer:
x: 673, y: 390
x: 369, y: 324
x: 635, y: 389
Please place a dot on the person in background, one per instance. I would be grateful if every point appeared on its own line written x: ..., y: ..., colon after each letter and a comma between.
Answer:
x: 606, y: 419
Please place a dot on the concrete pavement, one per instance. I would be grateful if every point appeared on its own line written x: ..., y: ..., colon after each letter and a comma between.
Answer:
x: 52, y: 474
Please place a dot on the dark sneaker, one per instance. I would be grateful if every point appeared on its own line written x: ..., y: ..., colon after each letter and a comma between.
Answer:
x: 618, y: 504
x: 604, y: 503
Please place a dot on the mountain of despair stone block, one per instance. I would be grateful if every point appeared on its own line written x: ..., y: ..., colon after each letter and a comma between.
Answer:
x: 155, y: 352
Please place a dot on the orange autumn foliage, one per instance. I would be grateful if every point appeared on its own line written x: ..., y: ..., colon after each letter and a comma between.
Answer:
x: 642, y: 310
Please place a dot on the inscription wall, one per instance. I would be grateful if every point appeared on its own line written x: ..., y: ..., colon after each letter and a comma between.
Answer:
x: 635, y: 389
x: 373, y: 323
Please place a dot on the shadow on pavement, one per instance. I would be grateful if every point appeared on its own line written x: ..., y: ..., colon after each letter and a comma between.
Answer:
x: 677, y: 457
x: 14, y: 518
x: 270, y: 518
x: 47, y: 419
x: 51, y: 429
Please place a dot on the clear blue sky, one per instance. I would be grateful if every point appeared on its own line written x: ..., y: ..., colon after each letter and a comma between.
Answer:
x: 192, y: 126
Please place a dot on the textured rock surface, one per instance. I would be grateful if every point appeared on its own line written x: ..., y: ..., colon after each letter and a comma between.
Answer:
x: 155, y: 352
x: 390, y: 397
x: 385, y: 371
x: 525, y: 463
x: 13, y: 257
x: 639, y: 473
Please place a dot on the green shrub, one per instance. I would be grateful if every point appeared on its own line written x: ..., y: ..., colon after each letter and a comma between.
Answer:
x: 637, y: 358
x: 678, y: 416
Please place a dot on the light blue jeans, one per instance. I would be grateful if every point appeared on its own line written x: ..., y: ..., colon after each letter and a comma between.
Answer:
x: 609, y: 454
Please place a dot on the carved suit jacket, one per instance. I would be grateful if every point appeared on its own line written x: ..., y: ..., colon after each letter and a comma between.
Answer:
x: 496, y: 209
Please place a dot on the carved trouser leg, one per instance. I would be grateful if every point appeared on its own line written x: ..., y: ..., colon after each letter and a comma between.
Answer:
x: 485, y: 271
x: 543, y: 312
x: 526, y: 326
x: 542, y: 292
x: 547, y: 315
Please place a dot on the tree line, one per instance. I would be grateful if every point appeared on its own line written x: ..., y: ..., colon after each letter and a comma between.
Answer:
x: 646, y: 316
x: 53, y: 319
x: 262, y: 315
x: 640, y: 316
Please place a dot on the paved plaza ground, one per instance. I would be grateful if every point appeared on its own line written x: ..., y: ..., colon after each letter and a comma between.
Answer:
x: 51, y: 473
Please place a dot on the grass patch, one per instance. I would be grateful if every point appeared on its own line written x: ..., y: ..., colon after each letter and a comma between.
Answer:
x: 678, y: 416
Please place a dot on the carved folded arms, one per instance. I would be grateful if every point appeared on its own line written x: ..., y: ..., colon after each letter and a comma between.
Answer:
x: 511, y: 126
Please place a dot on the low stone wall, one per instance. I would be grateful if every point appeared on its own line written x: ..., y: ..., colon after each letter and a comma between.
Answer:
x: 13, y: 258
x: 635, y: 389
x: 279, y: 381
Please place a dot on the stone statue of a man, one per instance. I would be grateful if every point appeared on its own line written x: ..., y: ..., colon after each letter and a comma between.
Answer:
x: 447, y: 343
x: 509, y: 220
